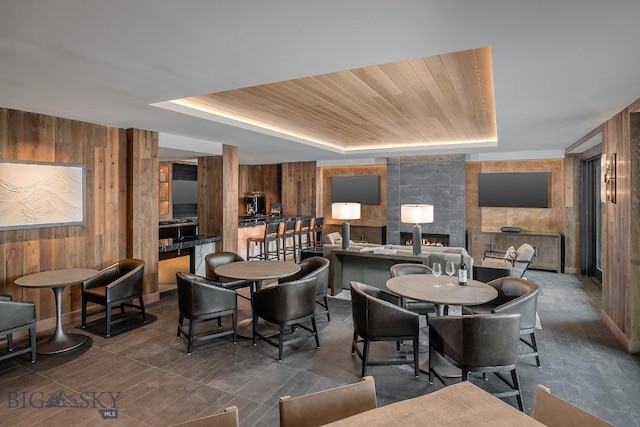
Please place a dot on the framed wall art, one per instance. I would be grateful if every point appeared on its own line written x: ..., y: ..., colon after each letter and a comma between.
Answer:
x: 37, y: 195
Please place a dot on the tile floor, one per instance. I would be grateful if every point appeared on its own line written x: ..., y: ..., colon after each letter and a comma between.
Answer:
x: 154, y: 382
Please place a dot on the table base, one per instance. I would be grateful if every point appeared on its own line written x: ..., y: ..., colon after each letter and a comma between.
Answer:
x: 59, y: 343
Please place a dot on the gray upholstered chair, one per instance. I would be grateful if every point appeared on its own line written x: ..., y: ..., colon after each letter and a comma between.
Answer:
x: 317, y: 267
x: 520, y: 260
x: 327, y: 406
x: 201, y: 299
x: 482, y: 343
x: 419, y: 307
x: 515, y: 295
x: 115, y: 285
x: 215, y: 260
x: 16, y: 316
x: 286, y: 304
x: 377, y: 316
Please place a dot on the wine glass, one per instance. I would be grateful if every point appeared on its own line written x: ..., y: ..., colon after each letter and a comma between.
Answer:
x: 436, y: 270
x: 450, y: 269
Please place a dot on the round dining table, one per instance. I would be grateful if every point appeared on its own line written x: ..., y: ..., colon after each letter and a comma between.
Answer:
x: 256, y: 271
x: 422, y: 287
x: 57, y: 280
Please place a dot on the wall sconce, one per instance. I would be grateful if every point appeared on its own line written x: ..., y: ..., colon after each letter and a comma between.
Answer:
x: 345, y: 211
x: 416, y: 215
x: 608, y: 169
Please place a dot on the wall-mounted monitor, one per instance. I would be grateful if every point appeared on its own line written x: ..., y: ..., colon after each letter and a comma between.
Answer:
x: 364, y: 189
x: 514, y: 189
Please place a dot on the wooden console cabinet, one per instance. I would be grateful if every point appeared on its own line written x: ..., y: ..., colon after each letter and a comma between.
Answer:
x: 548, y: 246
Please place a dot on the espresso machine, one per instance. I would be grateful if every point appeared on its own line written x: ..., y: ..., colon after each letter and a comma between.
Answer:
x: 255, y: 204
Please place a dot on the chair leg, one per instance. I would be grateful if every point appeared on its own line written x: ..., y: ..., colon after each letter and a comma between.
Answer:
x: 353, y: 342
x: 192, y: 324
x: 144, y: 314
x: 32, y: 342
x: 326, y: 303
x: 416, y: 356
x: 220, y: 322
x: 84, y: 314
x: 180, y: 320
x: 234, y: 323
x: 365, y: 357
x: 315, y: 331
x: 280, y: 341
x: 10, y: 342
x: 108, y: 320
x: 122, y: 308
x: 534, y: 345
x: 516, y: 386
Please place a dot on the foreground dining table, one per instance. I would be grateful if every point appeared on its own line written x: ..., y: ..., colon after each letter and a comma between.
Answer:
x: 57, y: 280
x: 422, y: 287
x: 257, y: 271
x: 460, y: 404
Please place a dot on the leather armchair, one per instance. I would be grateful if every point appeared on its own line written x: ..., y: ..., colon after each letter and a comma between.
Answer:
x: 115, y: 285
x: 519, y: 296
x: 286, y: 304
x: 16, y: 316
x: 419, y: 307
x: 201, y: 299
x: 317, y: 267
x: 480, y: 343
x: 378, y: 317
x: 328, y: 406
x: 216, y: 259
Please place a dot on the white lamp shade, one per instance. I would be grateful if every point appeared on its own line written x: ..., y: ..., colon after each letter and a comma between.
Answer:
x: 345, y: 210
x: 416, y: 214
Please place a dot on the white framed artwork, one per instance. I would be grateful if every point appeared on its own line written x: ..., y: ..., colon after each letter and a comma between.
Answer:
x: 38, y: 195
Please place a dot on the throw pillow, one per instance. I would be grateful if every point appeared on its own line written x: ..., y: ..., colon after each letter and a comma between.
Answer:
x: 511, y: 254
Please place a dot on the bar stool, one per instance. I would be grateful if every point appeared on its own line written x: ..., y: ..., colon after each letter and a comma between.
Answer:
x: 289, y: 232
x: 316, y: 231
x: 304, y: 230
x: 270, y: 235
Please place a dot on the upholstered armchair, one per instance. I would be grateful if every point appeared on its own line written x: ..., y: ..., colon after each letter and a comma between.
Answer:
x: 115, y: 285
x: 419, y: 307
x: 16, y: 316
x: 216, y: 259
x: 515, y: 295
x: 201, y: 299
x: 483, y: 343
x: 328, y: 406
x: 286, y: 304
x: 378, y: 317
x: 519, y: 259
x: 317, y: 267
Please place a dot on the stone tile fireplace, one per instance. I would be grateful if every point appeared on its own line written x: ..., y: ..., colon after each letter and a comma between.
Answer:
x: 438, y: 180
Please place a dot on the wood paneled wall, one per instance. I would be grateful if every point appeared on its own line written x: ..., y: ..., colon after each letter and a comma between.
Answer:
x: 548, y: 220
x: 621, y: 227
x: 264, y: 178
x: 299, y: 188
x: 103, y: 240
x: 218, y: 197
x: 142, y: 205
x: 370, y: 215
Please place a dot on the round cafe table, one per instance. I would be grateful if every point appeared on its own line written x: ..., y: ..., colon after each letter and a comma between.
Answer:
x: 257, y: 271
x: 57, y: 280
x: 421, y: 287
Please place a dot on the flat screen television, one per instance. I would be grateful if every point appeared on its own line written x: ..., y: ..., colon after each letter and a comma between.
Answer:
x: 364, y: 189
x: 514, y: 189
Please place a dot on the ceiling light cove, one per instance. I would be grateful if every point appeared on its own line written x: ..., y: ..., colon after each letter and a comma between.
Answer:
x: 424, y: 103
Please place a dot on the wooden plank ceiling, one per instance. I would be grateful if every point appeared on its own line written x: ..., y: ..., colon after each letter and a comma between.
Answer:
x: 440, y: 99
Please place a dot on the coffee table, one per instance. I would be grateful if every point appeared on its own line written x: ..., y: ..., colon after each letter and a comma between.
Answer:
x: 256, y: 271
x: 57, y: 280
x: 421, y: 287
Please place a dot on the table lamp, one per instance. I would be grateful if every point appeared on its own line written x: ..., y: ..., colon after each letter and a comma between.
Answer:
x: 345, y: 211
x: 416, y: 214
